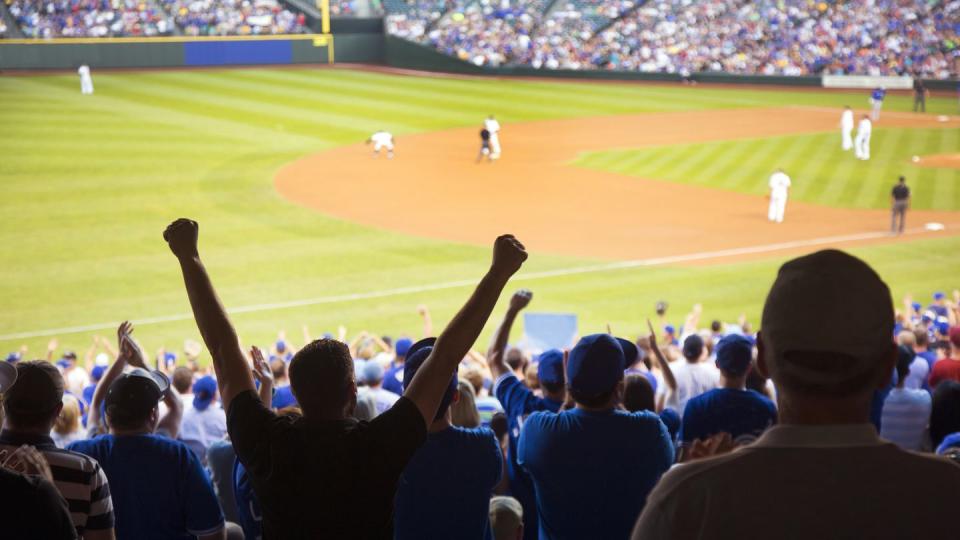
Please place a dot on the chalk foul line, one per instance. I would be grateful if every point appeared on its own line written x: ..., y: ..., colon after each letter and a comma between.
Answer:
x: 590, y: 269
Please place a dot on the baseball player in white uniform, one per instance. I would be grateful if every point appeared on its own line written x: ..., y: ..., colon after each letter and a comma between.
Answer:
x: 382, y: 140
x: 779, y: 187
x: 491, y: 125
x: 861, y: 145
x: 846, y: 128
x: 86, y: 81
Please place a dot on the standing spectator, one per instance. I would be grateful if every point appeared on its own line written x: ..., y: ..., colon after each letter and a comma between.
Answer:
x: 922, y: 348
x: 448, y: 482
x: 693, y: 376
x: 357, y: 464
x: 593, y: 465
x: 900, y: 198
x: 373, y: 377
x: 31, y: 407
x: 204, y: 421
x: 948, y: 369
x: 519, y: 401
x: 733, y: 409
x: 919, y: 369
x: 506, y: 518
x: 393, y: 378
x: 822, y: 472
x: 906, y: 412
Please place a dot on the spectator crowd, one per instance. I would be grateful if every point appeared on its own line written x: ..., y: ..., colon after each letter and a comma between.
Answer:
x: 838, y: 412
x: 770, y: 37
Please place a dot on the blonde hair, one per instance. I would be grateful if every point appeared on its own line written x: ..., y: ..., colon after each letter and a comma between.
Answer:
x: 463, y: 412
x: 68, y: 421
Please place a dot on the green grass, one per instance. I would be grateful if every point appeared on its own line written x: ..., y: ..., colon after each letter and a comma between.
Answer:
x: 88, y: 183
x: 822, y: 173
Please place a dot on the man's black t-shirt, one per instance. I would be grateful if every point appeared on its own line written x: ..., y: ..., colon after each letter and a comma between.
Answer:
x: 32, y: 508
x: 331, y: 479
x: 901, y: 192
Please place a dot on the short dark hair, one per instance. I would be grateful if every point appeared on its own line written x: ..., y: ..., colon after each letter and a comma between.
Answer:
x: 905, y: 357
x: 182, y: 379
x: 922, y: 338
x: 514, y: 358
x: 119, y: 417
x: 33, y: 399
x: 595, y: 402
x: 321, y: 374
x: 279, y: 368
x: 902, y: 179
x: 552, y: 387
x: 716, y: 326
x: 637, y: 393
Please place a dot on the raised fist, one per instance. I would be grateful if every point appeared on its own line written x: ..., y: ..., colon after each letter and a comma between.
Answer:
x: 181, y: 236
x: 508, y: 255
x: 520, y: 299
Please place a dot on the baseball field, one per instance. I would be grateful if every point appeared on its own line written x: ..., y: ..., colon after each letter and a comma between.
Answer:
x: 625, y: 194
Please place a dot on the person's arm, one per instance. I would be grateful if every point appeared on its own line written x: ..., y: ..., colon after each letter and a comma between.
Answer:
x: 661, y: 360
x: 114, y: 371
x: 218, y: 333
x: 433, y: 377
x: 496, y: 355
x: 354, y: 345
x: 170, y: 423
x: 306, y: 336
x: 51, y: 347
x: 91, y: 352
x: 427, y: 321
x: 693, y: 320
x: 264, y: 375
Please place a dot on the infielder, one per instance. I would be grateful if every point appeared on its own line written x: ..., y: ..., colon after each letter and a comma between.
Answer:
x: 846, y: 128
x: 484, y: 146
x: 861, y: 145
x: 86, y: 82
x: 382, y: 139
x: 779, y: 187
x: 876, y: 102
x: 491, y: 125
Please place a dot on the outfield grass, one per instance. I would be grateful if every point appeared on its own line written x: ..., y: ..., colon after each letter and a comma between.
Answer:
x: 89, y: 182
x: 821, y: 171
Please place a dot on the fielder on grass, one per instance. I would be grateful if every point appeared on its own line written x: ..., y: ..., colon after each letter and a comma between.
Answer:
x: 86, y: 81
x: 846, y: 128
x: 493, y: 127
x: 382, y: 140
x: 779, y: 187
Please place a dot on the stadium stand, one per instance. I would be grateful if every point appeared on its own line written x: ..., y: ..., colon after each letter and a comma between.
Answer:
x: 234, y: 17
x: 90, y: 18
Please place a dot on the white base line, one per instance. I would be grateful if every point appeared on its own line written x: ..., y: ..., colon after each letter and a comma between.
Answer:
x: 639, y: 263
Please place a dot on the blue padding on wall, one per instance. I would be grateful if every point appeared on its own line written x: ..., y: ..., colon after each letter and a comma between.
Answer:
x: 221, y: 53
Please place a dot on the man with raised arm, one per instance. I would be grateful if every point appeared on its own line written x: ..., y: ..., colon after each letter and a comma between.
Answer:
x: 326, y: 475
x: 519, y: 401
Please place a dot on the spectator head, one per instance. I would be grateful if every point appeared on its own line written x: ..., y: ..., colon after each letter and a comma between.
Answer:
x: 670, y: 330
x: 826, y: 330
x: 97, y: 373
x: 13, y: 358
x: 716, y: 327
x: 500, y: 427
x: 734, y: 355
x: 637, y: 393
x: 281, y: 346
x: 372, y: 373
x: 530, y: 377
x: 550, y: 374
x: 204, y: 392
x: 463, y: 410
x: 515, y: 359
x: 922, y: 339
x: 945, y: 411
x: 595, y: 372
x: 401, y: 348
x: 905, y: 356
x: 131, y: 402
x: 182, y: 380
x: 192, y: 350
x: 35, y: 399
x: 506, y: 518
x: 418, y: 353
x: 68, y: 421
x: 693, y: 348
x: 475, y: 377
x: 939, y: 297
x: 323, y: 381
x: 279, y: 369
x: 906, y: 337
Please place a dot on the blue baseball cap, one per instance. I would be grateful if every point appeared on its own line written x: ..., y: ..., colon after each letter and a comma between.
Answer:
x: 13, y: 357
x: 631, y: 353
x: 402, y: 346
x: 412, y: 364
x: 281, y: 345
x: 939, y: 295
x: 204, y: 391
x: 693, y: 346
x: 670, y: 329
x: 950, y: 441
x: 734, y: 354
x: 917, y: 306
x: 169, y: 358
x: 550, y: 366
x: 97, y: 373
x: 63, y: 364
x: 372, y: 372
x: 595, y: 365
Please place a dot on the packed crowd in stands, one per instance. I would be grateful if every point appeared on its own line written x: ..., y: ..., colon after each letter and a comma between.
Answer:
x: 824, y: 422
x: 788, y: 37
x: 234, y: 17
x: 89, y: 18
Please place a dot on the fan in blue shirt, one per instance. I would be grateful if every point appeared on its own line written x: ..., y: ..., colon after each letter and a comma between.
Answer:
x: 519, y: 401
x: 445, y: 489
x: 393, y: 377
x: 744, y: 414
x: 593, y: 466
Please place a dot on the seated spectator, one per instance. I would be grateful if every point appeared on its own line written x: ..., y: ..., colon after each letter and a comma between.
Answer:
x: 32, y: 506
x: 733, y: 409
x: 519, y: 401
x: 31, y: 408
x: 906, y: 411
x: 372, y: 373
x: 506, y: 518
x: 944, y: 412
x: 67, y: 428
x: 463, y: 412
x: 448, y: 482
x: 948, y: 369
x: 593, y: 465
x: 693, y: 376
x: 204, y: 421
x: 822, y: 472
x: 357, y: 463
x: 637, y: 394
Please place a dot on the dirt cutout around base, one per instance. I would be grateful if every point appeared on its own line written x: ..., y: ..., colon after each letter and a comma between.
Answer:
x: 435, y: 188
x: 940, y: 161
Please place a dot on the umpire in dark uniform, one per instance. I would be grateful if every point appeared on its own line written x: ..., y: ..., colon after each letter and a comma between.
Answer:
x: 901, y: 201
x: 919, y: 95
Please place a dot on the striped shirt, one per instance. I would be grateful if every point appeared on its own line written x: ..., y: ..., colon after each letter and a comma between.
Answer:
x: 905, y: 416
x: 79, y: 479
